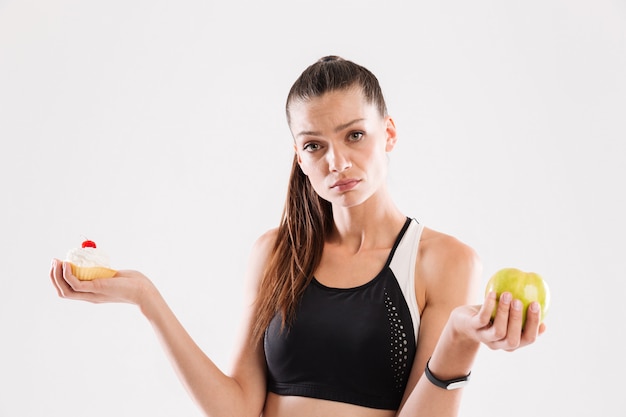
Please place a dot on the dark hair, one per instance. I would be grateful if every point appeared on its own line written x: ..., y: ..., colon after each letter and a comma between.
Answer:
x: 332, y: 73
x: 307, y: 218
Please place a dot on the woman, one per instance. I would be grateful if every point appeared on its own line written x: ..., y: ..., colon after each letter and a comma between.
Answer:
x: 351, y: 301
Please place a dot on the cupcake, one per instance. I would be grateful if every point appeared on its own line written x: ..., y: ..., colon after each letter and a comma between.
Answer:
x: 89, y: 263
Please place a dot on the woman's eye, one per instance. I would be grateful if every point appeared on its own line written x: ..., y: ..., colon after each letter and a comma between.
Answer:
x: 311, y: 147
x: 355, y: 136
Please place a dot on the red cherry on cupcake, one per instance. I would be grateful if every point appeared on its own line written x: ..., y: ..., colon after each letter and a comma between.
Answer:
x: 89, y: 244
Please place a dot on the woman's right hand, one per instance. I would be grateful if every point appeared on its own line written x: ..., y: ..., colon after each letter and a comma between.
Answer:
x: 125, y: 287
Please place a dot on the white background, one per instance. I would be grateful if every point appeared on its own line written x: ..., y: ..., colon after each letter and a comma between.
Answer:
x: 157, y: 129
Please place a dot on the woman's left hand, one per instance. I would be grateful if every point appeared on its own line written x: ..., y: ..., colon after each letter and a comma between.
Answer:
x: 505, y: 331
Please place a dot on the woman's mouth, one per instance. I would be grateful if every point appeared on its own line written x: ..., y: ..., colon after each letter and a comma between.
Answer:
x: 345, y: 185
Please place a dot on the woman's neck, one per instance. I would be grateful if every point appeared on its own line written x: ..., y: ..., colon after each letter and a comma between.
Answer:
x: 371, y: 224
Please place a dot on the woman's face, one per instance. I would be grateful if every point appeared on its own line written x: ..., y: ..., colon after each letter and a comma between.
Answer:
x: 341, y: 142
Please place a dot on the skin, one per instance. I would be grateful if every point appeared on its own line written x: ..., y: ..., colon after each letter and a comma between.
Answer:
x: 342, y: 143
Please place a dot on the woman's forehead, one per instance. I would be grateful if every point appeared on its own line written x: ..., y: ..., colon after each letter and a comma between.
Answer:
x: 334, y: 107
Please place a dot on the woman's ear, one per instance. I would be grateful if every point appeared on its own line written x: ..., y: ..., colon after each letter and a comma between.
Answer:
x: 297, y: 157
x: 391, y: 134
x: 296, y: 154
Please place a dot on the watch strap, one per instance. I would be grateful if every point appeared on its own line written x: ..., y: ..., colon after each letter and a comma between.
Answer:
x: 448, y: 384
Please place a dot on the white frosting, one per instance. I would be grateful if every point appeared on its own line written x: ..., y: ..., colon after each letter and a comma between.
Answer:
x: 88, y: 257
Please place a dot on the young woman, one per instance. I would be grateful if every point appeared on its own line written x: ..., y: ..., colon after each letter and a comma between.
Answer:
x: 356, y: 310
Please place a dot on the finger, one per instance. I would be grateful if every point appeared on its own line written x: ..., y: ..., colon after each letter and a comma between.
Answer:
x: 533, y: 322
x: 76, y: 289
x: 487, y: 310
x: 514, y: 329
x: 71, y: 280
x: 501, y: 321
x: 542, y: 329
x: 74, y: 284
x: 55, y: 273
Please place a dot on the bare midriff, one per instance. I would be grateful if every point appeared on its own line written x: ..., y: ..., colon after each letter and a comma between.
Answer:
x: 289, y: 406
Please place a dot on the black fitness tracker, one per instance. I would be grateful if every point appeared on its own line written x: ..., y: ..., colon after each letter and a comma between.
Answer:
x: 448, y: 384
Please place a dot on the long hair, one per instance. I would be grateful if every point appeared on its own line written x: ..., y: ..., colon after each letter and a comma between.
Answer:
x: 307, y: 219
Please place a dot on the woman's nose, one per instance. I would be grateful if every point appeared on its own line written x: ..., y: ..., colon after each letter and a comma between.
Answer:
x: 338, y: 160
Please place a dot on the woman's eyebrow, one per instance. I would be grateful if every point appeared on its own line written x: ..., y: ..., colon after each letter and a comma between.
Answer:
x: 346, y: 125
x: 337, y: 129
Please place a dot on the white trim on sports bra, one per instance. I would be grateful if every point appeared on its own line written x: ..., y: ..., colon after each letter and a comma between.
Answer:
x: 403, y: 267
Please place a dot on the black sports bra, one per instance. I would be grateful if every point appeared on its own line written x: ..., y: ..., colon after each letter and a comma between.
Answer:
x: 352, y: 345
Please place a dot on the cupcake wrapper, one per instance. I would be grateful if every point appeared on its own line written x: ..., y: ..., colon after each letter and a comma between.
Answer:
x: 84, y: 273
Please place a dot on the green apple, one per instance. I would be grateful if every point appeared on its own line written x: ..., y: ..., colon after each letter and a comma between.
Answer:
x: 524, y: 286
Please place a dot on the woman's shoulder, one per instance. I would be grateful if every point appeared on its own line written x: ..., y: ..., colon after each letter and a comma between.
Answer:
x: 263, y: 247
x: 442, y: 245
x: 259, y: 257
x: 445, y: 260
x: 266, y: 241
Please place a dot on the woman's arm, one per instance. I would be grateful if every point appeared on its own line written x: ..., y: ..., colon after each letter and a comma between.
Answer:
x: 447, y: 275
x: 243, y: 392
x: 465, y: 331
x: 451, y: 328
